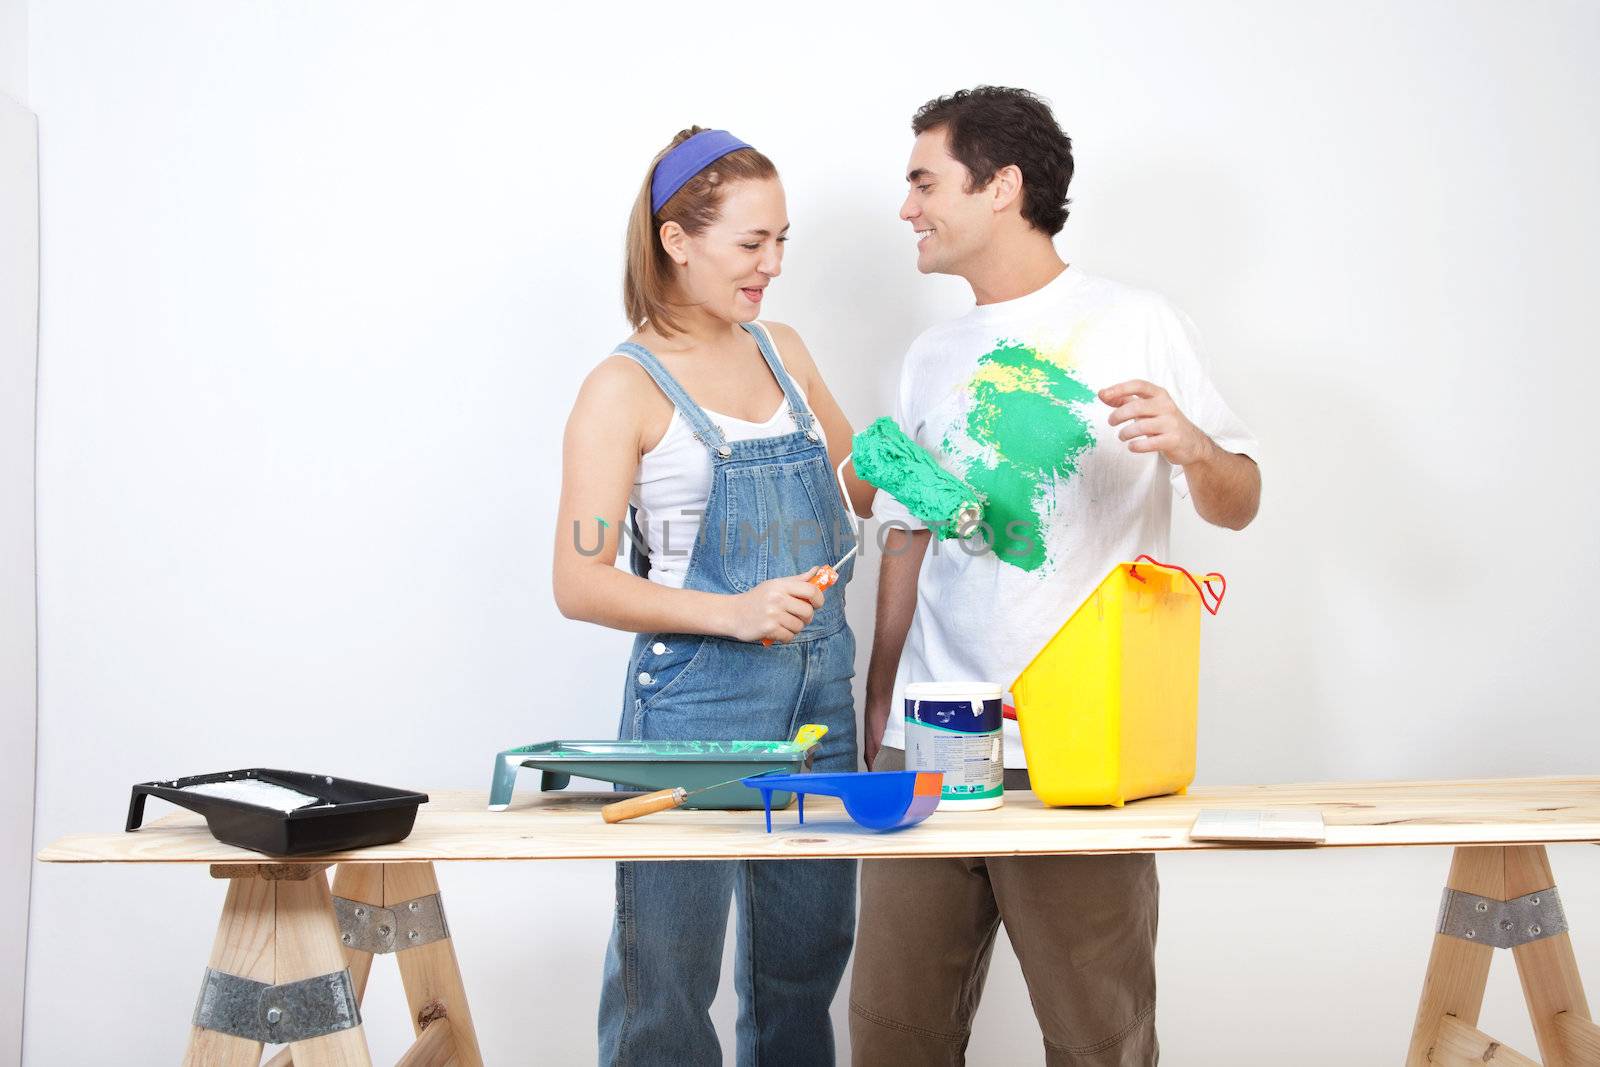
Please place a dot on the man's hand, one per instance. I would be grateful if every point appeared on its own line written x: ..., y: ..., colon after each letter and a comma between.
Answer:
x: 1225, y: 486
x: 1151, y: 422
x: 874, y: 721
x: 903, y: 551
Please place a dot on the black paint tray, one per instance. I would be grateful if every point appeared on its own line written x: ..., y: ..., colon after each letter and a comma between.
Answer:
x: 347, y: 814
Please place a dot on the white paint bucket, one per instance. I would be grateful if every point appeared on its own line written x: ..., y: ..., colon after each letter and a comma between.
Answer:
x: 955, y: 727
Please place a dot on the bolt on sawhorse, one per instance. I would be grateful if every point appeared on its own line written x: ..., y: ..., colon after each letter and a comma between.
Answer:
x: 291, y: 961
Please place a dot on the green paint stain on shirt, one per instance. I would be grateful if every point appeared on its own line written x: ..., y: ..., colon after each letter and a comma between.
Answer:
x: 1029, y: 429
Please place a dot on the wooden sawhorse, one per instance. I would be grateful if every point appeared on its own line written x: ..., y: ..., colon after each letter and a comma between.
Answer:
x: 1502, y: 897
x: 291, y: 962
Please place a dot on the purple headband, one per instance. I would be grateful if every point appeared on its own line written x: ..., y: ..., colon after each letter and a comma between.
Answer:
x: 688, y: 159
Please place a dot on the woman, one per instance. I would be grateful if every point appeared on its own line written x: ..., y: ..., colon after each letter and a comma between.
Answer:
x: 717, y: 436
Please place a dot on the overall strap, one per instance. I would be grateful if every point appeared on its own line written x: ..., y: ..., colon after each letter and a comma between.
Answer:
x: 797, y: 406
x: 705, y: 431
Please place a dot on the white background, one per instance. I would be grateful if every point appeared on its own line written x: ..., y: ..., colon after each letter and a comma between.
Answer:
x: 19, y: 317
x: 320, y: 282
x: 19, y: 321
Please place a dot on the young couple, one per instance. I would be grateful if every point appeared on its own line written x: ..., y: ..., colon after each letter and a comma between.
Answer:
x: 1076, y: 405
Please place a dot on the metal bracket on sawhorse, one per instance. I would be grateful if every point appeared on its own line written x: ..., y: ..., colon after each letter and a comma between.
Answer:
x: 409, y: 924
x: 277, y: 1014
x: 1502, y: 923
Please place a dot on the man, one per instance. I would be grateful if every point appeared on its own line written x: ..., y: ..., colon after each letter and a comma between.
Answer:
x: 1078, y: 407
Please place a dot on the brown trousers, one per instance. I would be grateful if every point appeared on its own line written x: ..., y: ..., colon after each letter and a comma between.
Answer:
x: 1083, y: 928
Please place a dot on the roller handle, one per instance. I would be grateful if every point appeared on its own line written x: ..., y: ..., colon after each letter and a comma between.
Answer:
x: 633, y: 807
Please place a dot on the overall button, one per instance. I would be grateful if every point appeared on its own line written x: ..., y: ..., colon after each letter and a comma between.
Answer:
x: 724, y: 451
x: 658, y: 648
x: 644, y: 678
x: 811, y: 434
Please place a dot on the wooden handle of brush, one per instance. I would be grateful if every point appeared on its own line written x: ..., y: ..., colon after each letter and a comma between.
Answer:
x: 633, y: 807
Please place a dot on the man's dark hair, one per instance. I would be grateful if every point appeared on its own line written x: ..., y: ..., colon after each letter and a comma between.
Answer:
x: 992, y: 127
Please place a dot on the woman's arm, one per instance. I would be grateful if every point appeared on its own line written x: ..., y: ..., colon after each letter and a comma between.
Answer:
x: 600, y: 456
x: 797, y: 358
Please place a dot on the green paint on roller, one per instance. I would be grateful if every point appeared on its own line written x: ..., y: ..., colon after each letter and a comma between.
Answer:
x: 1026, y: 429
x: 888, y: 459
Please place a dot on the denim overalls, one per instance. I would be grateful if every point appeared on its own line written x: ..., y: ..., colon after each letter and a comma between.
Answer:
x: 796, y: 918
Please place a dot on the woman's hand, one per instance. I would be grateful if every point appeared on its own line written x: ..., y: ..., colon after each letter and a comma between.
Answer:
x: 775, y: 610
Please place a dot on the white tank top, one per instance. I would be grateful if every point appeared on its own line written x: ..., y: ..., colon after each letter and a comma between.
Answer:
x: 674, y: 480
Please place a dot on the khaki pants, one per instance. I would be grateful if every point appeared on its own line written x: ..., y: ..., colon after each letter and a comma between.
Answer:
x: 1083, y: 928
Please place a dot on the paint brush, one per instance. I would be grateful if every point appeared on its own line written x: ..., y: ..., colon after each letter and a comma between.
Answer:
x: 826, y: 576
x: 661, y: 800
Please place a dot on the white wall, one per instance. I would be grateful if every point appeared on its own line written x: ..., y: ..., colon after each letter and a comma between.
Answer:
x: 320, y: 282
x: 14, y: 49
x: 19, y: 349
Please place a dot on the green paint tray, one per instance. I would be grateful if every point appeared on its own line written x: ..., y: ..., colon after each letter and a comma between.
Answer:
x: 651, y: 765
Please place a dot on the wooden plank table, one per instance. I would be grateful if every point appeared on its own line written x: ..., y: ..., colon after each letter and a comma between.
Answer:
x: 282, y: 924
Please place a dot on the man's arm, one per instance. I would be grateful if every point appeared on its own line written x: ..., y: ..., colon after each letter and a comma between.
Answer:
x: 1225, y: 486
x: 897, y: 600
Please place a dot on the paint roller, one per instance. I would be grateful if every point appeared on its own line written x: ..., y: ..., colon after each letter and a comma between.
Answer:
x: 886, y: 458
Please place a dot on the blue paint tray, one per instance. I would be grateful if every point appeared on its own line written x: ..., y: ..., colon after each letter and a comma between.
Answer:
x: 884, y: 800
x: 652, y: 765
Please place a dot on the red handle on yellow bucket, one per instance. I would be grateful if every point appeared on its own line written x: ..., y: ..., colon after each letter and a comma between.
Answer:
x: 1202, y: 588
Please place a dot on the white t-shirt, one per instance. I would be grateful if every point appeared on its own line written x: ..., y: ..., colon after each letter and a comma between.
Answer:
x: 1004, y: 398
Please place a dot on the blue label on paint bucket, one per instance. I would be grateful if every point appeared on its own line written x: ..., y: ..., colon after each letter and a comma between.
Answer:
x: 962, y: 739
x: 956, y: 715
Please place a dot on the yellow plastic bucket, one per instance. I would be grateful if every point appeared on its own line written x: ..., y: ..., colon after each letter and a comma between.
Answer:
x: 1109, y: 708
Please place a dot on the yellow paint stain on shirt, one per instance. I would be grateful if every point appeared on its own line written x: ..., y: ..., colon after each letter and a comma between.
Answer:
x: 1012, y: 379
